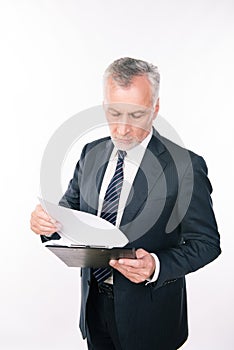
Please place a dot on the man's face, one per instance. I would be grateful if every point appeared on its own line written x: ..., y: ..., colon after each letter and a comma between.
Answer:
x: 129, y: 112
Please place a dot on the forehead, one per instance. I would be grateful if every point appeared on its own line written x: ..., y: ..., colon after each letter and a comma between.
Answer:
x: 138, y: 93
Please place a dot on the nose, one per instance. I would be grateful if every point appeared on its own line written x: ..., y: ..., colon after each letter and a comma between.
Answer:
x: 123, y: 128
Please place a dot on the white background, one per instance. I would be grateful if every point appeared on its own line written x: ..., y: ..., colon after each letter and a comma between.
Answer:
x: 53, y: 54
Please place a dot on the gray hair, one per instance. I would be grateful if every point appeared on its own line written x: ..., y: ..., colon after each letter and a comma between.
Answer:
x: 123, y: 70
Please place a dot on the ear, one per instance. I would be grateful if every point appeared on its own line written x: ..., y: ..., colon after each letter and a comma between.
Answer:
x: 156, y: 109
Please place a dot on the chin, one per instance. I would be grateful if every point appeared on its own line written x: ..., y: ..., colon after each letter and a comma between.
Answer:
x: 125, y: 146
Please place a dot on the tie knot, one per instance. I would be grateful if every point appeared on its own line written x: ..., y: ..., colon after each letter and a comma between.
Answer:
x: 121, y: 154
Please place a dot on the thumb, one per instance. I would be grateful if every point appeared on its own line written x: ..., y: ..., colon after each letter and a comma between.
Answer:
x: 141, y: 253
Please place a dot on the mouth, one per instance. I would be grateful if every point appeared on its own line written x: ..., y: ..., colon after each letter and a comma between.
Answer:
x: 123, y: 140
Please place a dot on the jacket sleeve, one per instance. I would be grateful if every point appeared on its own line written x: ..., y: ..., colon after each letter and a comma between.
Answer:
x: 200, y: 240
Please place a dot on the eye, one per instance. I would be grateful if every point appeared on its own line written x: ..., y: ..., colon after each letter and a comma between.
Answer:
x: 137, y: 115
x: 113, y: 112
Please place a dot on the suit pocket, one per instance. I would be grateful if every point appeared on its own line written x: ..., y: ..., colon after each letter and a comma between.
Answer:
x: 169, y: 289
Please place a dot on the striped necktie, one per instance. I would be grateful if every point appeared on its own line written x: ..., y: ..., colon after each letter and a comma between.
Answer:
x: 110, y: 208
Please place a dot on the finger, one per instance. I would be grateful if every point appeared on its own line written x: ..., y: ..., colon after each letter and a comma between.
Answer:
x: 41, y: 213
x: 139, y: 262
x: 40, y: 218
x: 42, y: 230
x: 132, y: 276
x: 141, y: 253
x: 136, y: 263
x: 48, y: 224
x: 127, y: 269
x: 46, y: 230
x: 41, y: 226
x: 126, y: 272
x: 41, y: 223
x: 145, y: 272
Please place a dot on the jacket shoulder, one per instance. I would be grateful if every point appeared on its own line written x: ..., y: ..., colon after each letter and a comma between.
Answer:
x: 102, y: 141
x: 179, y: 152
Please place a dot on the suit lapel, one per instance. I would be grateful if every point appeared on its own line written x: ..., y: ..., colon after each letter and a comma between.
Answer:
x: 150, y: 171
x: 93, y: 178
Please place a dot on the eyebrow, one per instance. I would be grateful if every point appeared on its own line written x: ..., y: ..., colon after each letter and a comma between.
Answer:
x: 112, y: 109
x: 129, y: 113
x: 138, y: 111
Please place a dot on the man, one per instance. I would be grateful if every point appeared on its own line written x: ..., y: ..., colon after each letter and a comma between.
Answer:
x: 161, y: 202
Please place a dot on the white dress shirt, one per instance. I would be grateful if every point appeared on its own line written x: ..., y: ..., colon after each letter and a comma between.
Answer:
x: 131, y: 165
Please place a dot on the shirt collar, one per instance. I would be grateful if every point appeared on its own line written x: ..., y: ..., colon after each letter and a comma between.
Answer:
x: 136, y: 153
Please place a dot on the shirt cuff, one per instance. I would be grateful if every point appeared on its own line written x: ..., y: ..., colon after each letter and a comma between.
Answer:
x: 157, y: 270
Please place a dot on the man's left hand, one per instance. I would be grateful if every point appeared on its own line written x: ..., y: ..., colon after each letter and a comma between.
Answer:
x: 136, y: 270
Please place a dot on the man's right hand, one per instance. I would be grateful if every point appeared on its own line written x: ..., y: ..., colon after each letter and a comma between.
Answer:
x: 42, y: 223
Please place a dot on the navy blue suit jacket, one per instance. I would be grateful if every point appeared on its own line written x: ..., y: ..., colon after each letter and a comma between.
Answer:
x: 170, y: 213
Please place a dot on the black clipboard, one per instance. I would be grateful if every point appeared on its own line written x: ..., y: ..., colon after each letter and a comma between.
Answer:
x: 85, y: 256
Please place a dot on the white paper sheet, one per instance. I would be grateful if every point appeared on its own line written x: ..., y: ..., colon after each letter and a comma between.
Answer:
x: 82, y: 228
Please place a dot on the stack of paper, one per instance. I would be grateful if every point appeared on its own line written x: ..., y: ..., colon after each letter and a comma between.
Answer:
x: 80, y: 228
